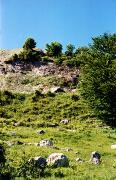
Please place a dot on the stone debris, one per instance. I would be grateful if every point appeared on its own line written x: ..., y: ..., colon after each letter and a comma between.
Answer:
x: 64, y: 121
x: 45, y: 142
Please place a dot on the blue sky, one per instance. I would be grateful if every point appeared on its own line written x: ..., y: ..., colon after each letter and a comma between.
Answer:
x: 65, y: 21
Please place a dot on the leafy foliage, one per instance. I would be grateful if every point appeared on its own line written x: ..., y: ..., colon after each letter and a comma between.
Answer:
x: 54, y: 49
x: 29, y: 55
x: 98, y: 79
x: 29, y: 44
x: 70, y: 49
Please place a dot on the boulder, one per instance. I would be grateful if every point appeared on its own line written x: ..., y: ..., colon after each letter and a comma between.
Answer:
x: 58, y: 160
x: 95, y: 157
x: 38, y: 161
x: 64, y: 121
x: 45, y: 142
x: 113, y: 146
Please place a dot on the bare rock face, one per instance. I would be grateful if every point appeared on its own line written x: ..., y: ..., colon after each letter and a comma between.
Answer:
x: 95, y: 157
x: 38, y: 161
x: 46, y: 142
x: 58, y: 160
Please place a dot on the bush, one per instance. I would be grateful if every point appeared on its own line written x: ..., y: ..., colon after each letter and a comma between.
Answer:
x: 58, y: 61
x: 30, y: 168
x: 29, y: 55
x: 72, y: 62
x: 46, y: 59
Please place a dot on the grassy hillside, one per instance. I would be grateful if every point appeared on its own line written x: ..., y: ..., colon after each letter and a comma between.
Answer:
x: 23, y: 114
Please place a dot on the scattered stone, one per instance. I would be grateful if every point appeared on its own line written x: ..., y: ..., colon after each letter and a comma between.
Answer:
x: 77, y: 152
x: 39, y: 161
x: 41, y: 132
x: 64, y: 121
x: 56, y: 89
x: 58, y: 160
x: 17, y: 124
x: 95, y: 157
x: 79, y: 160
x: 67, y: 149
x: 46, y: 142
x: 113, y: 146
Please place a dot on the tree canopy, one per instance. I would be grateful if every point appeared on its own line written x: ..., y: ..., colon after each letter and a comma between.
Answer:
x: 54, y: 49
x: 98, y: 76
x: 29, y: 44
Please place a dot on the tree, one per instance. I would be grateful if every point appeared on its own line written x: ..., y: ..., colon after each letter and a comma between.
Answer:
x: 54, y: 49
x: 98, y: 77
x: 70, y: 49
x: 29, y: 44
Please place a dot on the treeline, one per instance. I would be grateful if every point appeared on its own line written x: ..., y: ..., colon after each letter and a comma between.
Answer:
x: 52, y: 53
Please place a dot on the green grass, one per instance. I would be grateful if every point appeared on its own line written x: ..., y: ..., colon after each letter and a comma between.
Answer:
x: 84, y: 134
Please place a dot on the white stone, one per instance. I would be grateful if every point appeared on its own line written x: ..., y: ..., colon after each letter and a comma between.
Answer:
x: 58, y: 160
x: 113, y: 146
x: 46, y: 142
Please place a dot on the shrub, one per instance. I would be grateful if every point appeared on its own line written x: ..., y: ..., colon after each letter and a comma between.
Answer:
x: 46, y: 59
x: 29, y: 55
x: 58, y: 61
x: 72, y: 62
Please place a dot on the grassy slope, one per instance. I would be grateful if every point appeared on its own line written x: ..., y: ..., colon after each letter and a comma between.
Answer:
x: 84, y: 133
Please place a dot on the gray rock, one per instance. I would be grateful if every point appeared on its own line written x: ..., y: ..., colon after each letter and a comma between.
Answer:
x: 95, y: 157
x: 39, y: 161
x: 40, y: 131
x: 58, y: 160
x: 64, y: 121
x: 46, y: 142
